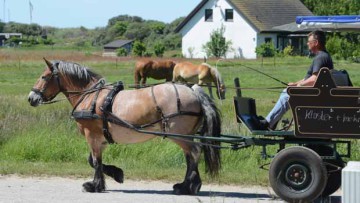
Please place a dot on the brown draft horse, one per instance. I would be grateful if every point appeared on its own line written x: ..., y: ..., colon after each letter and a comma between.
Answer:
x: 82, y: 88
x: 155, y: 69
x: 200, y: 74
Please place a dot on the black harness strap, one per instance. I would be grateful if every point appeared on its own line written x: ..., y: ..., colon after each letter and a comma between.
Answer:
x: 108, y: 116
x: 165, y: 118
x: 88, y: 114
x: 107, y: 110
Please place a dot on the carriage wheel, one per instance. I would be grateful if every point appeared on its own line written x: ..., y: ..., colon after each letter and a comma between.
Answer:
x: 297, y: 174
x: 334, y: 174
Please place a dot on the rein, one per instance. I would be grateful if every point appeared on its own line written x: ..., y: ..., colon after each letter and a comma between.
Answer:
x: 92, y: 89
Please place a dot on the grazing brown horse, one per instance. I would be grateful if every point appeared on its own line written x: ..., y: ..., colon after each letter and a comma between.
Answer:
x: 200, y: 74
x: 155, y: 69
x: 167, y: 108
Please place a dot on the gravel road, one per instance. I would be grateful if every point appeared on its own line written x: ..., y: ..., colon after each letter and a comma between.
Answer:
x: 56, y: 189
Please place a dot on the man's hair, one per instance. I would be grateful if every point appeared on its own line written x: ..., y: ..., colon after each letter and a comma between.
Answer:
x: 319, y: 36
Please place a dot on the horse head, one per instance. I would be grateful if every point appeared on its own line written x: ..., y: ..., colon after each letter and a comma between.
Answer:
x: 60, y: 76
x: 47, y: 86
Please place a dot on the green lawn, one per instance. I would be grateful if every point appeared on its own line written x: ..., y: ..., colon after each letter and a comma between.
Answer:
x: 45, y: 140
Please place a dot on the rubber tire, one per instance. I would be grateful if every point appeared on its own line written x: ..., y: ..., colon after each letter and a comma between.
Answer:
x: 334, y: 178
x: 314, y: 181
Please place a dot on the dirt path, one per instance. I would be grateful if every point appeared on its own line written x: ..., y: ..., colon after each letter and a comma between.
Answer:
x: 55, y: 189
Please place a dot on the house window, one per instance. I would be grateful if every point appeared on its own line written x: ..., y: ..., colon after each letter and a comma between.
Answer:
x: 208, y: 15
x: 229, y: 15
x: 268, y: 39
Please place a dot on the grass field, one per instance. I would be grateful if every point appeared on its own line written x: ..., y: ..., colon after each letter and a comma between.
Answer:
x: 45, y: 140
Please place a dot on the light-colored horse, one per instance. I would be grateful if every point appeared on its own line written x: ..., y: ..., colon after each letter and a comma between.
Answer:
x: 200, y: 74
x: 83, y: 90
x: 158, y: 70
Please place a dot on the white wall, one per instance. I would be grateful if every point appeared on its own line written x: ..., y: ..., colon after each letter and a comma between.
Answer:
x: 197, y: 32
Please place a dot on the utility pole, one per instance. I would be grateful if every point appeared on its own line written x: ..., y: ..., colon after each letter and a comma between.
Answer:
x: 31, y: 10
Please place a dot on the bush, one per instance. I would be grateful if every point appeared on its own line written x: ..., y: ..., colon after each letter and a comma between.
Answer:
x: 266, y: 50
x: 147, y: 54
x: 159, y: 49
x: 340, y: 47
x: 288, y: 51
x: 218, y: 46
x: 121, y: 52
x: 138, y: 48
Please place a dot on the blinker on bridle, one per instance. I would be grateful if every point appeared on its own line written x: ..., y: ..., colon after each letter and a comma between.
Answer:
x: 54, y: 74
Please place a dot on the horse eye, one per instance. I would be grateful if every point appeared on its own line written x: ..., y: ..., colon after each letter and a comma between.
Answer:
x: 45, y: 78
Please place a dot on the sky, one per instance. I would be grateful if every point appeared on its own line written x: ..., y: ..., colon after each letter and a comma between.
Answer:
x: 91, y: 13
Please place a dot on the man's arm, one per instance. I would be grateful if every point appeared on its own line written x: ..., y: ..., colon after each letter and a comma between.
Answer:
x: 309, y: 81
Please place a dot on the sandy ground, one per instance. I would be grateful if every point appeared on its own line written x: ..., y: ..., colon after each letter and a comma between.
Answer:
x: 56, y: 189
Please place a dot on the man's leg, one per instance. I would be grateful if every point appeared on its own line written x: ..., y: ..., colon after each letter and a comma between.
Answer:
x: 279, y: 109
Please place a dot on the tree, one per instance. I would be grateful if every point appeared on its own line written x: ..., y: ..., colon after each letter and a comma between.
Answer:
x: 157, y: 27
x: 265, y: 50
x: 138, y: 48
x: 218, y: 45
x: 119, y: 28
x: 138, y: 31
x: 2, y: 25
x: 159, y: 49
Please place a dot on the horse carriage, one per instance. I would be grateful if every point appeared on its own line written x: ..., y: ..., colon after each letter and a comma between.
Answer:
x: 307, y: 165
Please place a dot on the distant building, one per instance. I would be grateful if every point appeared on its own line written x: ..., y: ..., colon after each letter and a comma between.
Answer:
x: 110, y: 48
x: 6, y: 36
x: 247, y: 23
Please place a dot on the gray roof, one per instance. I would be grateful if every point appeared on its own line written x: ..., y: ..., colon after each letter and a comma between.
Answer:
x: 263, y: 15
x: 117, y: 43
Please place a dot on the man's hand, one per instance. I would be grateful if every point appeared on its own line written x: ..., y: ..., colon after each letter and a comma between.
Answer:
x: 292, y: 84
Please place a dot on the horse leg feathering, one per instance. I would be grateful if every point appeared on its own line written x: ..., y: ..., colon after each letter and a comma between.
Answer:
x: 116, y: 173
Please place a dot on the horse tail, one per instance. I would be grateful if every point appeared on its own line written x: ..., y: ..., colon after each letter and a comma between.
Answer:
x: 211, y: 126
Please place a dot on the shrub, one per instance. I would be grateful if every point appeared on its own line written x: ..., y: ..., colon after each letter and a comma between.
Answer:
x: 340, y: 47
x: 121, y: 52
x: 159, y: 49
x: 288, y: 51
x: 266, y: 50
x: 138, y: 48
x: 218, y: 45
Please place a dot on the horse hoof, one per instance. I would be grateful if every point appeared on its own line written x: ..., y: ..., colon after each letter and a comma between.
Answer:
x: 88, y: 187
x: 187, y: 189
x: 178, y: 189
x: 195, y: 188
x: 181, y: 189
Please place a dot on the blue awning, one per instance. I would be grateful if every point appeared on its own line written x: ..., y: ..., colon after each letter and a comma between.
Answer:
x: 330, y: 23
x: 328, y: 19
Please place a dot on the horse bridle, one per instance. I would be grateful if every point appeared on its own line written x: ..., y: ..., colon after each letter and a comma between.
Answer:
x: 54, y: 73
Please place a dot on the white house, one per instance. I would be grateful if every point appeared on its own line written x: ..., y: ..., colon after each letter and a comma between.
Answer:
x: 247, y: 23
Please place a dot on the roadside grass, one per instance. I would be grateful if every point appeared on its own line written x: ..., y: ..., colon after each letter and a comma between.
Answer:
x: 45, y: 140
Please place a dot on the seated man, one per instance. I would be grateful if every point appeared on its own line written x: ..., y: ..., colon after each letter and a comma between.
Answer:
x: 316, y: 43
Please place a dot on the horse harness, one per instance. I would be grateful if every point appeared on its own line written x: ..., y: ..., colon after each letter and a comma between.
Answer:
x: 108, y: 115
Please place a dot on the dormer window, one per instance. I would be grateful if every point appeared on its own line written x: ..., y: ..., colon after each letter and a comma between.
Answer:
x: 208, y: 15
x: 229, y: 15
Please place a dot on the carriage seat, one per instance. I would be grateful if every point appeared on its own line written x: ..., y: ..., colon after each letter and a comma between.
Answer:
x: 245, y: 110
x: 341, y: 77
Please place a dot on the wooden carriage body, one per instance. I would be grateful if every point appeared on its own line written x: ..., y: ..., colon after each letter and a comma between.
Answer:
x: 325, y: 110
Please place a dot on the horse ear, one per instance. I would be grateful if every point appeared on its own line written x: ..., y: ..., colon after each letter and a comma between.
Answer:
x: 49, y: 64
